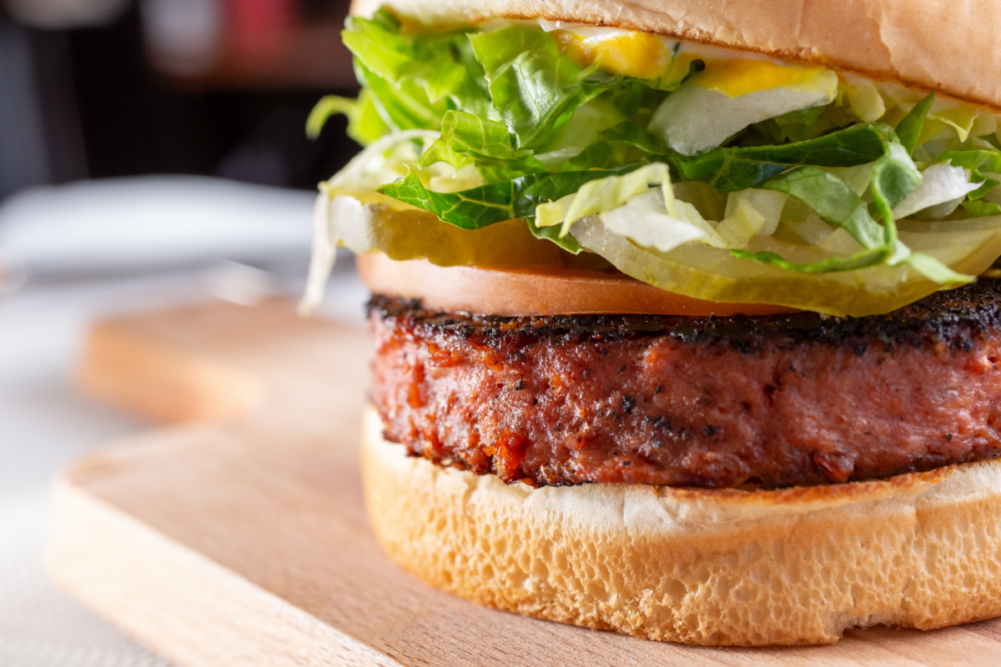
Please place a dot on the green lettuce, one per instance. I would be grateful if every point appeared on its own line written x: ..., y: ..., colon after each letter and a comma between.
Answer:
x: 364, y: 123
x: 436, y: 69
x: 495, y: 202
x: 534, y: 88
x: 544, y: 137
x: 976, y: 162
x: 910, y: 128
x: 734, y: 169
x: 466, y: 139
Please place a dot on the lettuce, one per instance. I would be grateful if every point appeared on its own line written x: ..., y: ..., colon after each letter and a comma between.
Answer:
x: 977, y: 162
x: 834, y: 199
x: 940, y: 184
x: 581, y: 134
x: 837, y: 203
x: 752, y: 212
x: 370, y: 168
x: 403, y: 105
x: 602, y: 195
x: 644, y: 221
x: 865, y: 101
x: 733, y: 169
x: 466, y: 139
x: 364, y: 123
x: 479, y: 127
x: 981, y: 209
x: 534, y: 88
x: 434, y: 69
x: 495, y: 202
x: 909, y: 129
x: 694, y: 119
x: 795, y: 125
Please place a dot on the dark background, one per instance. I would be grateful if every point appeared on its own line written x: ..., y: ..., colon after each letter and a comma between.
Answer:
x: 108, y: 88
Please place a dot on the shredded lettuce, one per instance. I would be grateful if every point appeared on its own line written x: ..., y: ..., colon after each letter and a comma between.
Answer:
x: 694, y: 119
x: 466, y: 139
x: 494, y: 202
x: 909, y: 129
x: 733, y: 169
x: 604, y: 194
x: 753, y: 208
x: 940, y: 184
x: 800, y: 182
x: 533, y: 87
x: 644, y: 221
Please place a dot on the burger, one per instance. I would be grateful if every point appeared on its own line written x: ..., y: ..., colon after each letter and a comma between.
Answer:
x: 682, y: 319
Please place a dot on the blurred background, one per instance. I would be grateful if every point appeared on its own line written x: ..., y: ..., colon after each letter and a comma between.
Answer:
x: 112, y: 88
x: 152, y: 153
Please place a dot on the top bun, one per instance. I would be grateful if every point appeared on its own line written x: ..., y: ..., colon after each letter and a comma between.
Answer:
x: 940, y: 45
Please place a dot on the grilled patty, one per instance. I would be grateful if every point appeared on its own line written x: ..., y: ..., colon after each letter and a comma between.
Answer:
x: 774, y: 401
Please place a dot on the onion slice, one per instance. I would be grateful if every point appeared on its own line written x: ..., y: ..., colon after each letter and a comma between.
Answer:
x: 540, y: 292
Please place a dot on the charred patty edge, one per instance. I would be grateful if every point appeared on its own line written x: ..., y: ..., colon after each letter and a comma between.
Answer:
x: 953, y: 318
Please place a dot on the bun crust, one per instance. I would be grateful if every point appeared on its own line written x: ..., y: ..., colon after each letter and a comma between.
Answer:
x: 727, y: 567
x: 938, y: 45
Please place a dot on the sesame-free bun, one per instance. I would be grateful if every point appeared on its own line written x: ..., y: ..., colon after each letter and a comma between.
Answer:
x: 714, y: 567
x: 940, y: 45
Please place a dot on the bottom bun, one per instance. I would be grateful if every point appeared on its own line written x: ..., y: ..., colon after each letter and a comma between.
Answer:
x: 715, y: 567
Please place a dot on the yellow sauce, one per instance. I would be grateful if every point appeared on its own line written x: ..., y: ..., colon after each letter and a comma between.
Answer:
x: 646, y: 56
x: 637, y: 54
x: 738, y: 77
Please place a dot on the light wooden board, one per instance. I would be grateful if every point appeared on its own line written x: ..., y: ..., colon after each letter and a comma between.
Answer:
x: 237, y: 535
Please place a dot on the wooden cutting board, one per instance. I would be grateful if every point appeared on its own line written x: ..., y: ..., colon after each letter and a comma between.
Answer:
x: 237, y: 535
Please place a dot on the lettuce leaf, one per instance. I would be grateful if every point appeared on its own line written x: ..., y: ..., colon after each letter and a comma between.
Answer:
x: 466, y: 139
x: 981, y: 209
x: 976, y: 162
x: 643, y: 219
x: 793, y: 126
x: 631, y: 134
x: 834, y: 199
x: 694, y: 119
x: 752, y: 212
x: 495, y: 202
x: 732, y: 169
x: 714, y: 274
x: 364, y: 123
x: 438, y: 64
x: 599, y: 155
x: 604, y: 194
x: 940, y: 183
x: 403, y: 105
x: 568, y: 243
x: 909, y: 129
x: 534, y: 88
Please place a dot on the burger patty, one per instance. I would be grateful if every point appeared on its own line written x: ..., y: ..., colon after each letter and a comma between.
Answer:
x: 778, y: 400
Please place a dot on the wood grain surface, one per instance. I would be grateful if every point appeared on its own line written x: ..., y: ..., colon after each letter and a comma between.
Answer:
x: 237, y: 535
